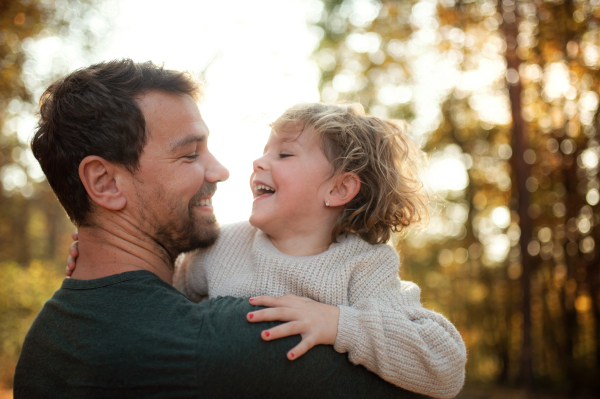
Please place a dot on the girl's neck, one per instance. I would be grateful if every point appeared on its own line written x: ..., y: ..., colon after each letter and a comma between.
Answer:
x: 312, y: 243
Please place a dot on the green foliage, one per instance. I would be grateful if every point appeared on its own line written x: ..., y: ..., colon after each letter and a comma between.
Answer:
x: 23, y: 292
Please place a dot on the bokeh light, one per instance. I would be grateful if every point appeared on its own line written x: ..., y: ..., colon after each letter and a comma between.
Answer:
x: 511, y: 238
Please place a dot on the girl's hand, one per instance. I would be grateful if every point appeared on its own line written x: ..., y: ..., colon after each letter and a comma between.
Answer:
x: 316, y: 322
x: 73, y: 254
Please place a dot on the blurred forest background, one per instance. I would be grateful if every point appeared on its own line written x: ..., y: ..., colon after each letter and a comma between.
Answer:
x: 512, y: 134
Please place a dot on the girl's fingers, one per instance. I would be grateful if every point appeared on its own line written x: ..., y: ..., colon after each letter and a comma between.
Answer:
x: 70, y: 265
x: 73, y: 253
x: 276, y: 301
x: 74, y: 249
x: 269, y: 301
x: 300, y: 349
x: 283, y: 330
x: 272, y: 314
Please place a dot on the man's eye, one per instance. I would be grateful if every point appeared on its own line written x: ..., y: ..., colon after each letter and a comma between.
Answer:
x: 191, y: 156
x: 284, y: 155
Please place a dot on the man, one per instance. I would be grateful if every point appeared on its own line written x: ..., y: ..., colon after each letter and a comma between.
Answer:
x: 124, y: 148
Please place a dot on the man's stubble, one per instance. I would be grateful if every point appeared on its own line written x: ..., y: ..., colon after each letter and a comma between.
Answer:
x: 181, y: 230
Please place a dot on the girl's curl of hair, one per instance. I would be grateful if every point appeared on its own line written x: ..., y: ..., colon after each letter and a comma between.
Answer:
x: 392, y: 195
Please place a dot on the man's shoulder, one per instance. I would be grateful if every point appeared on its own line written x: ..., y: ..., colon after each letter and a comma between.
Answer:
x: 143, y: 338
x: 138, y: 334
x: 135, y: 302
x: 128, y: 312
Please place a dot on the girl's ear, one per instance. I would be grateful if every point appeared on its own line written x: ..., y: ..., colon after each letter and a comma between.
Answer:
x: 101, y: 181
x: 345, y: 187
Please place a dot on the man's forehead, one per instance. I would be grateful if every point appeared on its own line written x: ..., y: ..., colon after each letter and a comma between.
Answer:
x: 158, y: 105
x: 170, y: 117
x: 155, y: 99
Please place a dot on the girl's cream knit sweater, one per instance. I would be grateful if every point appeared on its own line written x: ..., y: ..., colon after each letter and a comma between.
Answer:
x: 382, y: 324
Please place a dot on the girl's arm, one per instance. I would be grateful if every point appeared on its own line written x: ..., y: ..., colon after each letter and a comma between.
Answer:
x: 387, y: 330
x: 190, y: 276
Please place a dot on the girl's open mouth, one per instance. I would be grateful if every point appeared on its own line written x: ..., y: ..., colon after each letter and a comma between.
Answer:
x: 262, y: 190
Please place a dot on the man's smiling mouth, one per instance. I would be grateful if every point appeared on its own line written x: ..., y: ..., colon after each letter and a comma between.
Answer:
x: 204, y: 202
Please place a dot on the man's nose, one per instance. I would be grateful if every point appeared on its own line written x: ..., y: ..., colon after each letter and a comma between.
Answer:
x: 216, y: 172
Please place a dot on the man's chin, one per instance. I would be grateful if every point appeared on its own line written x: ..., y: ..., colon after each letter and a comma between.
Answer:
x: 188, y: 235
x: 206, y: 234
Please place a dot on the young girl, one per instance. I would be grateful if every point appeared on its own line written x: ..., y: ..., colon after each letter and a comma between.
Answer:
x: 331, y: 186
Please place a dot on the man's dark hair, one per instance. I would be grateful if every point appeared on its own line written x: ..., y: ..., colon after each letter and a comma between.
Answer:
x: 93, y: 111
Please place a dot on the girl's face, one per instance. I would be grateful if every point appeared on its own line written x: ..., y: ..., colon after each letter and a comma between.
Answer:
x: 288, y: 184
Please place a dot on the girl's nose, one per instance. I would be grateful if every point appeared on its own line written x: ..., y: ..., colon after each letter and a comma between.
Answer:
x: 260, y: 164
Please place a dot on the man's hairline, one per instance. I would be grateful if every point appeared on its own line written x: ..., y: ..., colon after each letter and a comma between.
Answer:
x: 139, y: 97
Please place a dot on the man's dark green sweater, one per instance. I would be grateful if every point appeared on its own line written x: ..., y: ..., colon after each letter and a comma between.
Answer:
x: 131, y: 335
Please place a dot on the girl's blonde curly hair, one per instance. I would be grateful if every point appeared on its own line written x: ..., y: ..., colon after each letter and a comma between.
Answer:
x: 388, y: 163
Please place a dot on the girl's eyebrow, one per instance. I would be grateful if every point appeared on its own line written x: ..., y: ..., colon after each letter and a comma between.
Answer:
x: 292, y: 140
x: 283, y: 140
x: 288, y: 136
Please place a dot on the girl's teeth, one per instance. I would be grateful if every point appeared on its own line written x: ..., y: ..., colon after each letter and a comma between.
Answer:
x: 262, y: 187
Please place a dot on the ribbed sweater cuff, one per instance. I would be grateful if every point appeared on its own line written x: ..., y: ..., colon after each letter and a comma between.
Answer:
x: 349, y: 331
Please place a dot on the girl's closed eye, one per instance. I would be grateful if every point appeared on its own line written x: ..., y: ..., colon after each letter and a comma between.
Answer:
x: 282, y: 155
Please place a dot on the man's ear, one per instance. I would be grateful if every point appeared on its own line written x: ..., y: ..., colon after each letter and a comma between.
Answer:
x: 101, y: 181
x: 345, y: 187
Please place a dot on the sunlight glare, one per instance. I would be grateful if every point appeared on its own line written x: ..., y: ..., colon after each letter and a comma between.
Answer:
x: 501, y: 217
x: 447, y: 173
x: 254, y: 63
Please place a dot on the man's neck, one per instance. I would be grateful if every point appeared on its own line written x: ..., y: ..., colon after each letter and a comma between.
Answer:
x: 116, y: 246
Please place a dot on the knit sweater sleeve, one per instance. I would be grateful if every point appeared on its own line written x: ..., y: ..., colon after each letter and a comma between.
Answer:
x: 190, y: 276
x: 387, y: 330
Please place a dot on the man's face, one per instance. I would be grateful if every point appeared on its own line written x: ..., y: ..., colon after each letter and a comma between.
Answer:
x: 177, y: 175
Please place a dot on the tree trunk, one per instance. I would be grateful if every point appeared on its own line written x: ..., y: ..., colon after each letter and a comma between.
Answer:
x: 521, y: 173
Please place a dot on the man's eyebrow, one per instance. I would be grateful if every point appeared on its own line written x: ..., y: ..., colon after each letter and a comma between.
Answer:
x: 187, y: 140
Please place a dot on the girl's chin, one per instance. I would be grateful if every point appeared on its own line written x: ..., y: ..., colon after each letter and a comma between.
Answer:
x: 261, y: 222
x: 256, y: 221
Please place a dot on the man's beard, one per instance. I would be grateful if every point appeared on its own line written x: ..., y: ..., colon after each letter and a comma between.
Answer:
x: 184, y: 231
